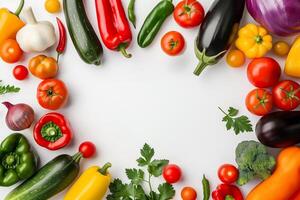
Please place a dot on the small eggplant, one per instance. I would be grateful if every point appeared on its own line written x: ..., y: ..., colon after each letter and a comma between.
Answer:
x: 217, y: 32
x: 279, y: 129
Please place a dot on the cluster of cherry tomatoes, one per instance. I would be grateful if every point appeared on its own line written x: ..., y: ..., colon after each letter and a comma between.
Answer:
x: 187, y: 14
x: 265, y: 73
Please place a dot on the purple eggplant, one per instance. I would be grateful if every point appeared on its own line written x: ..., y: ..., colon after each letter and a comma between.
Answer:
x: 279, y: 129
x: 217, y: 32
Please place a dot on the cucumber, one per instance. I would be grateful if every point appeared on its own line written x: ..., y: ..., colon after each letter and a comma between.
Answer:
x: 84, y: 38
x: 51, y: 179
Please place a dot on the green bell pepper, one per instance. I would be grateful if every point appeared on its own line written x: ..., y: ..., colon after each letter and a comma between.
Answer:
x: 17, y: 161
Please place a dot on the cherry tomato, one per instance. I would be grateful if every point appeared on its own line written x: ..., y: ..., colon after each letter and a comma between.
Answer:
x: 286, y: 95
x: 263, y: 72
x: 52, y: 94
x: 228, y: 173
x: 10, y: 51
x: 235, y: 58
x: 172, y: 43
x: 87, y: 149
x: 188, y: 193
x: 172, y: 173
x: 281, y: 48
x: 189, y: 13
x: 20, y: 72
x: 259, y: 102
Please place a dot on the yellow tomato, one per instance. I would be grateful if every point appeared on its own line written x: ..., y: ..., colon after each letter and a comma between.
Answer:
x: 235, y: 58
x: 281, y: 48
x: 52, y: 6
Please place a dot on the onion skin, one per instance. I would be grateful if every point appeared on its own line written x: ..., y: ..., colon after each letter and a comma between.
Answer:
x: 19, y: 116
x: 280, y: 17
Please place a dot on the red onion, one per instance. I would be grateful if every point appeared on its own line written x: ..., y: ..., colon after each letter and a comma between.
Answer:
x: 281, y: 17
x: 19, y: 116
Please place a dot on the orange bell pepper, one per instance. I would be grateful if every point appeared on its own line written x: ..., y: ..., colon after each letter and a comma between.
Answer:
x: 284, y: 183
x: 10, y: 23
x: 43, y: 67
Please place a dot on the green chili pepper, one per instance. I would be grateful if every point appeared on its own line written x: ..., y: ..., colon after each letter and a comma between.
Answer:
x: 17, y: 161
x: 206, y: 188
x: 131, y: 13
x: 154, y: 21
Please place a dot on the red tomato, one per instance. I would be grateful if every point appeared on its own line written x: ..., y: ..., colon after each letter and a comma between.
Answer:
x: 263, y: 72
x: 52, y: 94
x: 20, y: 72
x: 228, y: 173
x: 10, y: 51
x: 259, y: 102
x: 87, y: 149
x: 286, y: 95
x: 188, y: 193
x: 189, y: 13
x: 172, y: 173
x: 172, y: 43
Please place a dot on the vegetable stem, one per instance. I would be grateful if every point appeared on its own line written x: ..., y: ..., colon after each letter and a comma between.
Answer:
x: 104, y: 169
x: 77, y: 157
x: 200, y: 67
x: 223, y: 111
x: 150, y: 186
x: 20, y: 8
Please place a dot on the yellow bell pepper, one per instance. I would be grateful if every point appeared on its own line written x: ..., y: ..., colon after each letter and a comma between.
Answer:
x: 292, y: 65
x: 10, y: 23
x: 254, y: 41
x: 91, y: 185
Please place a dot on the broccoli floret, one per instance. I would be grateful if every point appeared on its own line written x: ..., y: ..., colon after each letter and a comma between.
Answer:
x: 253, y: 161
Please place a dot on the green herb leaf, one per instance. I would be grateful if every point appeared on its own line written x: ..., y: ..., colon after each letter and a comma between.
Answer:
x: 135, y: 190
x: 4, y: 89
x: 232, y: 112
x: 135, y: 175
x: 155, y: 168
x: 119, y: 191
x: 239, y: 124
x: 166, y: 191
x: 147, y: 154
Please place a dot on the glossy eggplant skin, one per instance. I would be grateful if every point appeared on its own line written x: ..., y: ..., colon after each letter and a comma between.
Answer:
x: 218, y: 31
x: 279, y: 129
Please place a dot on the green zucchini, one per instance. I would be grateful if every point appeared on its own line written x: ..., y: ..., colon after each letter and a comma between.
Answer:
x: 83, y: 36
x: 51, y: 179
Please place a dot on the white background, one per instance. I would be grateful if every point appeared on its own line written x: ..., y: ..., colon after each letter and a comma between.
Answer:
x: 151, y: 98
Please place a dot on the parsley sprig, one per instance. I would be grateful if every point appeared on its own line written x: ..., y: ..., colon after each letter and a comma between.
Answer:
x: 240, y: 124
x: 135, y: 190
x: 4, y: 89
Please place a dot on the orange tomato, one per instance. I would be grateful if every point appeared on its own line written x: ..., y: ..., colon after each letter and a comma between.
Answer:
x: 281, y: 48
x: 188, y: 193
x: 235, y: 58
x: 10, y: 51
x: 172, y: 43
x: 43, y: 67
x: 52, y: 94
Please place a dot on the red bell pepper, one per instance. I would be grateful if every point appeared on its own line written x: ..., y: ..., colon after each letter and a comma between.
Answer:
x: 227, y: 192
x: 113, y: 25
x: 52, y: 131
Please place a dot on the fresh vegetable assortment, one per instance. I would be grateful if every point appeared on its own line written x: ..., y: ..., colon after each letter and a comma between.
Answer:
x: 219, y: 33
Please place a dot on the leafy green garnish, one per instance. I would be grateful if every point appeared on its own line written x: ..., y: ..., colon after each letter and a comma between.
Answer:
x: 135, y: 189
x: 240, y: 124
x: 4, y: 89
